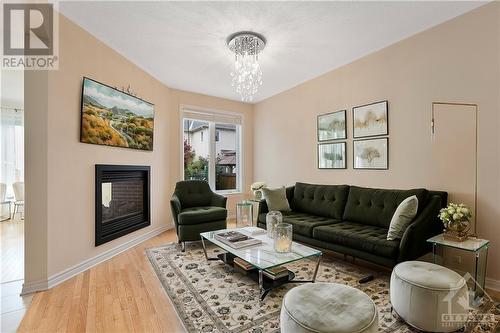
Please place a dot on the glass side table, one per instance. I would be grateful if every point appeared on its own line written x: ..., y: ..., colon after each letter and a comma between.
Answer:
x: 479, y: 248
x: 255, y: 210
x: 244, y: 214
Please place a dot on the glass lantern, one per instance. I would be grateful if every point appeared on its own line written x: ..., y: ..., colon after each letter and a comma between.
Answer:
x: 283, y: 237
x: 273, y: 218
x: 244, y: 214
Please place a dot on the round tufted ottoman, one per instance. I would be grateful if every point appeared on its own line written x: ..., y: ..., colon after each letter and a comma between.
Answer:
x: 328, y: 307
x: 429, y: 297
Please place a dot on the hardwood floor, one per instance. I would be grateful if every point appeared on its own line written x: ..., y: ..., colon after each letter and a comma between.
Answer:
x: 12, y: 249
x: 122, y: 294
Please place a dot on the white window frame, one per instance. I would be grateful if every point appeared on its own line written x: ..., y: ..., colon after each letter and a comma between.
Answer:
x: 212, y: 144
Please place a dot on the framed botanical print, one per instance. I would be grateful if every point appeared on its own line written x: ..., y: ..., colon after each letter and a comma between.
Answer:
x: 370, y: 120
x: 332, y: 126
x: 332, y: 155
x: 371, y: 154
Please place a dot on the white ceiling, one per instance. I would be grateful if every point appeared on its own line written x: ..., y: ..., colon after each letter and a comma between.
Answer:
x: 183, y: 44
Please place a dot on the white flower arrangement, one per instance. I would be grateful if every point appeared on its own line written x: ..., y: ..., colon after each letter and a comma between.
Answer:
x: 256, y: 189
x: 257, y: 186
x: 455, y: 214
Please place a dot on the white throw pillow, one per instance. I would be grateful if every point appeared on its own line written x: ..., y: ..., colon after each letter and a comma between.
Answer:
x: 276, y: 199
x: 404, y: 214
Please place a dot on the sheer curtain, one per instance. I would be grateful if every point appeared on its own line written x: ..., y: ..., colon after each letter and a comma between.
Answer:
x: 11, y: 148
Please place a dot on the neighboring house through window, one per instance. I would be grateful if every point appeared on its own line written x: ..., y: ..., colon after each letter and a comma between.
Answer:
x: 217, y: 159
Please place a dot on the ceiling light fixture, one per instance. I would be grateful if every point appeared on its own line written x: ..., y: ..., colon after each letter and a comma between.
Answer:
x: 246, y: 74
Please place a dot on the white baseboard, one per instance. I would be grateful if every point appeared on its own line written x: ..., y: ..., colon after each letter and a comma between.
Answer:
x: 58, y: 278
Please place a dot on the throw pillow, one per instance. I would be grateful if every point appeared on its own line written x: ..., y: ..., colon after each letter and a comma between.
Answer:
x: 404, y: 214
x: 276, y: 199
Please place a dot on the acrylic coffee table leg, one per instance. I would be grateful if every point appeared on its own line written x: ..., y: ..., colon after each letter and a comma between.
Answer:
x: 263, y: 292
x: 315, y: 273
x: 261, y: 283
x: 317, y: 268
x: 205, y: 250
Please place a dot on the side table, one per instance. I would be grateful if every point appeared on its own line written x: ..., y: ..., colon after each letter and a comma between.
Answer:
x: 255, y: 210
x: 479, y: 248
x: 244, y: 214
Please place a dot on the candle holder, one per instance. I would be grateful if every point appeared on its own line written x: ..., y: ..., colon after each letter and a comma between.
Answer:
x: 283, y: 233
x: 273, y: 218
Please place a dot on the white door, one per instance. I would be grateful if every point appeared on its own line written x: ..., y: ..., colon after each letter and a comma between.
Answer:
x: 454, y: 152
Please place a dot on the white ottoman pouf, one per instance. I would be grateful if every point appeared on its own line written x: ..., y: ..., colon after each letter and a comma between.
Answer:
x: 328, y: 307
x: 425, y: 294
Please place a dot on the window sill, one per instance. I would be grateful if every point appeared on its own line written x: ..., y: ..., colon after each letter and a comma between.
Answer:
x: 229, y: 193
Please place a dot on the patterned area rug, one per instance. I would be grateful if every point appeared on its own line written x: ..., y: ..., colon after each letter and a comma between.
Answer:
x: 210, y: 297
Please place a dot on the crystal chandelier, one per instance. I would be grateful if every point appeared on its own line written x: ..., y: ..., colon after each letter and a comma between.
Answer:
x: 246, y: 74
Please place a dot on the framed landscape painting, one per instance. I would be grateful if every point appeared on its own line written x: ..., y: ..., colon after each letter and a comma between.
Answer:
x: 332, y: 126
x: 114, y: 118
x: 371, y: 154
x: 370, y: 120
x: 332, y: 155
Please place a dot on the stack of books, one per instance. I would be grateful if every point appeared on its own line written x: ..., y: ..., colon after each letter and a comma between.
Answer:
x: 236, y: 239
x: 276, y: 273
x: 245, y: 265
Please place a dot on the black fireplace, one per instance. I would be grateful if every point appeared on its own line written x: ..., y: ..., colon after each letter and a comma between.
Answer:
x: 121, y: 200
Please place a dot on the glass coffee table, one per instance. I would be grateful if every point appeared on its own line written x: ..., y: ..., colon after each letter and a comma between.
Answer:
x: 263, y: 257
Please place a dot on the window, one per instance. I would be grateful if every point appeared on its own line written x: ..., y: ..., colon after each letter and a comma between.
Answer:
x: 11, y: 150
x: 216, y: 159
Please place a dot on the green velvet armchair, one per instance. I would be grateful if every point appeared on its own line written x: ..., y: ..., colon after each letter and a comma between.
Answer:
x: 196, y: 209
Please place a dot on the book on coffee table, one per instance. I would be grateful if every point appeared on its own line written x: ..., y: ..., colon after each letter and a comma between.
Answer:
x: 243, y: 264
x: 277, y: 272
x: 236, y: 239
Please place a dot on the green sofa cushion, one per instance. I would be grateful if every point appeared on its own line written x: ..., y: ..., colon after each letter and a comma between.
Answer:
x: 377, y: 206
x: 193, y: 193
x: 196, y: 215
x: 303, y: 224
x: 320, y: 200
x: 358, y: 236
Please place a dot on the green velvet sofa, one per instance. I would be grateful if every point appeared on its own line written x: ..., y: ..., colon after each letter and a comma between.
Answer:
x: 196, y: 209
x: 355, y: 220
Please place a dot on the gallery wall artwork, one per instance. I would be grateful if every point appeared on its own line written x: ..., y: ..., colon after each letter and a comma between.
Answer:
x: 371, y: 154
x: 332, y: 126
x: 370, y: 120
x: 114, y: 118
x: 332, y: 155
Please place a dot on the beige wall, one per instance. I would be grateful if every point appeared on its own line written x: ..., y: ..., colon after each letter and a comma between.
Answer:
x: 71, y: 170
x: 457, y: 61
x: 60, y: 169
x: 35, y: 176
